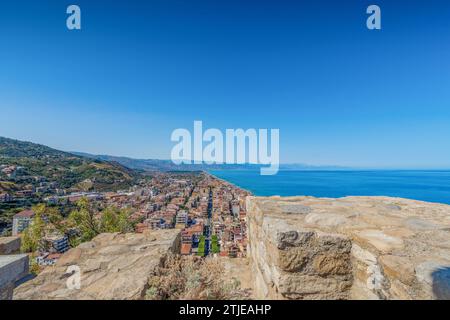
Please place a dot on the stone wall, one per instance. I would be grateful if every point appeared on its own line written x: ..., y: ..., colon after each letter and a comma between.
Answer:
x: 6, y: 291
x: 12, y: 269
x: 112, y: 266
x: 9, y: 245
x: 349, y: 248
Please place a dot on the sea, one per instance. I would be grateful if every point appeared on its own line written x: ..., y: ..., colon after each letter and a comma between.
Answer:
x: 425, y: 185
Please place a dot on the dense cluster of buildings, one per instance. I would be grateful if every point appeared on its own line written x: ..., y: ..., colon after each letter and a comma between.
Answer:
x: 31, y: 185
x: 209, y: 212
x: 229, y: 218
x: 211, y: 215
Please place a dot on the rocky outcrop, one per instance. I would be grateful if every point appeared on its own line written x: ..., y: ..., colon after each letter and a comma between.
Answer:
x: 111, y: 266
x: 349, y: 248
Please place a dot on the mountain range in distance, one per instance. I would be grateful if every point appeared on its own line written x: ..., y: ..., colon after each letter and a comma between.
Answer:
x: 119, y: 168
x: 74, y: 167
x: 168, y: 165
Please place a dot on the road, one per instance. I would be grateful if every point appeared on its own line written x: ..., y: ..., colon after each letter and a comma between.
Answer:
x: 207, y: 228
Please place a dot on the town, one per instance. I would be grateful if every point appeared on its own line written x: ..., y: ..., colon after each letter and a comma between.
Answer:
x: 209, y: 212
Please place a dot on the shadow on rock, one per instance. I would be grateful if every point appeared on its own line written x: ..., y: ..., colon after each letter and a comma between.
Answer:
x: 441, y: 283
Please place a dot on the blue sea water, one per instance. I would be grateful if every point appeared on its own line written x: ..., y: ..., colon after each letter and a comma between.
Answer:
x: 432, y: 186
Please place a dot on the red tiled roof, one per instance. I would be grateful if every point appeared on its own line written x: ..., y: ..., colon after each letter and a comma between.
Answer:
x: 25, y: 214
x: 195, y: 228
x: 186, y: 248
x: 74, y: 198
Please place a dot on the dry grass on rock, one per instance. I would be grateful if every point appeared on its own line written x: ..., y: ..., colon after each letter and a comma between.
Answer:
x: 193, y: 278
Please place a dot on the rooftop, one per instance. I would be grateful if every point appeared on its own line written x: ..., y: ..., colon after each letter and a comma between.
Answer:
x: 25, y: 214
x: 186, y: 248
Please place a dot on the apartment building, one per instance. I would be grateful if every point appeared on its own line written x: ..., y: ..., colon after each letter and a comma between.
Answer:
x: 21, y: 221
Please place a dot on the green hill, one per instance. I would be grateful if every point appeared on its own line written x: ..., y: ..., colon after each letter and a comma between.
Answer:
x: 65, y: 169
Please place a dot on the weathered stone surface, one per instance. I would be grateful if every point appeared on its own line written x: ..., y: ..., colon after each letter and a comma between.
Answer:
x: 112, y: 266
x: 12, y: 269
x: 70, y: 257
x: 398, y: 267
x: 303, y: 286
x: 332, y: 264
x: 6, y: 291
x: 352, y: 247
x: 9, y: 245
x: 437, y: 277
x: 379, y: 240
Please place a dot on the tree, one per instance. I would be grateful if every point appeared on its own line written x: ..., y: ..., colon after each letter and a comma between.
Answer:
x: 52, y: 216
x: 115, y: 220
x: 201, y: 246
x: 84, y: 219
x: 32, y: 236
x: 90, y: 222
x: 214, y: 244
x: 45, y: 220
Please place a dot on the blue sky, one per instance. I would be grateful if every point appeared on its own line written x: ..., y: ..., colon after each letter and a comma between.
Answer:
x: 339, y: 93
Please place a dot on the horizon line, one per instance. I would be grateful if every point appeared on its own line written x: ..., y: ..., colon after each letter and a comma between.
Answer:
x: 311, y: 166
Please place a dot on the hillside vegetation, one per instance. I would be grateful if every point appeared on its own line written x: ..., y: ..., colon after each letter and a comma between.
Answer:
x: 66, y: 169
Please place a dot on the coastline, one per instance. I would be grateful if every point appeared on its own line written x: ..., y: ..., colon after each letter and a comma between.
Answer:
x: 430, y: 186
x: 228, y: 182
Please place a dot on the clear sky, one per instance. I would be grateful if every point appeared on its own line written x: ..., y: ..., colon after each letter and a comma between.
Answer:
x: 339, y: 93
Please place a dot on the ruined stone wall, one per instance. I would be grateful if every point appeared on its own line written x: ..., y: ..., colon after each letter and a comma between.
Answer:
x: 12, y: 269
x: 112, y: 266
x: 9, y: 245
x: 297, y: 264
x: 348, y: 248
